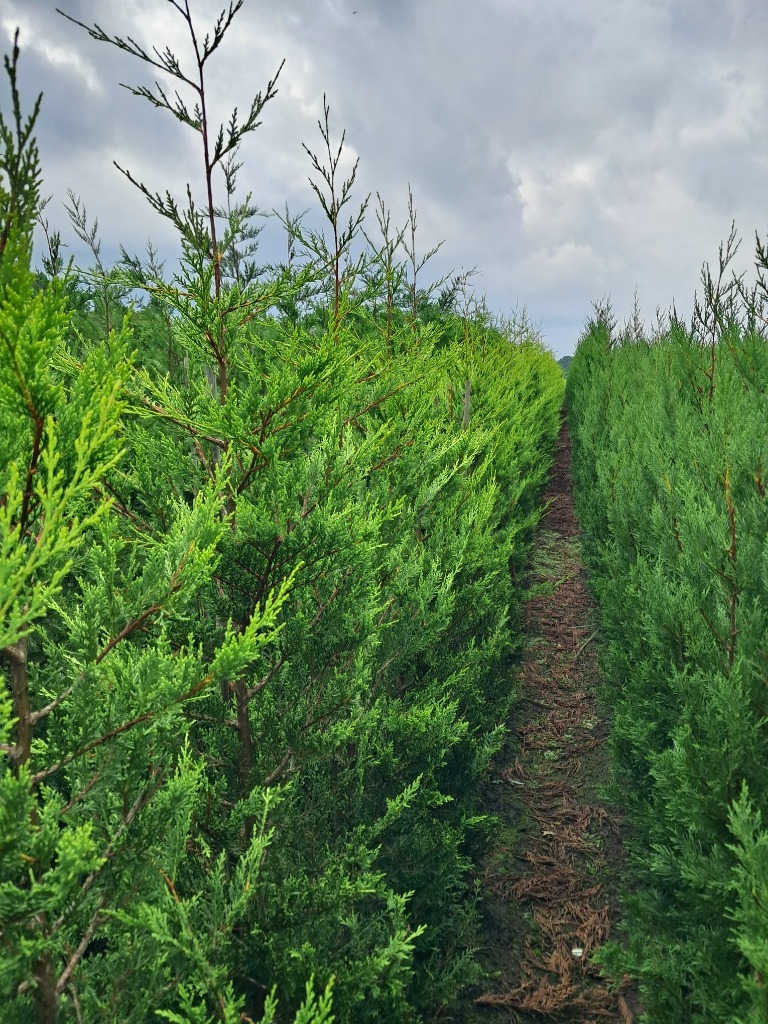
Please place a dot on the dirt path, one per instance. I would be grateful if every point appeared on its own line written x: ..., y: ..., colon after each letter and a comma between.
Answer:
x: 548, y: 905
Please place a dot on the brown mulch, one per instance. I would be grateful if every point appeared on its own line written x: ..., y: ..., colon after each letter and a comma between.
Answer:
x: 558, y: 883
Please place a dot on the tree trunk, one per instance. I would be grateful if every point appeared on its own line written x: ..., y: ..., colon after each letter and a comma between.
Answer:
x: 17, y: 656
x: 244, y: 730
x: 46, y: 1000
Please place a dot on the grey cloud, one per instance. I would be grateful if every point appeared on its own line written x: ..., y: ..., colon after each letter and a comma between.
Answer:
x: 568, y: 150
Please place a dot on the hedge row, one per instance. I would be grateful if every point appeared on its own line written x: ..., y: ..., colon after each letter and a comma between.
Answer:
x: 670, y: 462
x: 255, y: 641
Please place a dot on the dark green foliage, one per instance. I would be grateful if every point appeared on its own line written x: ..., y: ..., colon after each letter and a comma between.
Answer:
x: 670, y: 455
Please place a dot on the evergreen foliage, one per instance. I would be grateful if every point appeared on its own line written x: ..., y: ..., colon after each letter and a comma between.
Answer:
x: 258, y: 604
x: 670, y: 456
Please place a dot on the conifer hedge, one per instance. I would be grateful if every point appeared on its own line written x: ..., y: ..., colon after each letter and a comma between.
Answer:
x: 256, y: 625
x: 670, y: 457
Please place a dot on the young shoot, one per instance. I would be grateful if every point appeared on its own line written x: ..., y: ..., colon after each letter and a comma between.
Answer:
x: 334, y: 192
x: 204, y: 251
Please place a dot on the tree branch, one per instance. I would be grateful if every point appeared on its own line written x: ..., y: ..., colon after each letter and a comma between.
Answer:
x: 77, y: 956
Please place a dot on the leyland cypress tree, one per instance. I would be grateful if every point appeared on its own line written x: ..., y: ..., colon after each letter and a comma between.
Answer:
x: 111, y: 907
x: 671, y: 455
x: 337, y: 756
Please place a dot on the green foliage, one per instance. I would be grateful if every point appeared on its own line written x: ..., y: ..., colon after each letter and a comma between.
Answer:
x: 95, y: 620
x: 669, y: 463
x: 259, y: 602
x: 750, y: 885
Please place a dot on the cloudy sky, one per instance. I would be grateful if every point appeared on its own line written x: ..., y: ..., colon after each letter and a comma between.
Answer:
x: 568, y: 150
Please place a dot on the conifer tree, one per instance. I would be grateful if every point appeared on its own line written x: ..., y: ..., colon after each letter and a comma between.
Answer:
x: 105, y: 912
x: 670, y: 464
x: 343, y: 636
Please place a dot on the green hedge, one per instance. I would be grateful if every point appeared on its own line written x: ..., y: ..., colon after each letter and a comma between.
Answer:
x: 670, y: 457
x: 255, y: 645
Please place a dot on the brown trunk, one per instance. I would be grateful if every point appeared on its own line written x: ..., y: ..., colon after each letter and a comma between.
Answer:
x: 244, y: 730
x: 46, y: 1000
x: 467, y: 395
x: 733, y: 597
x: 17, y: 656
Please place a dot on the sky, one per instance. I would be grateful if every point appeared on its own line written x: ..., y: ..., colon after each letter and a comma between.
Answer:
x: 569, y: 151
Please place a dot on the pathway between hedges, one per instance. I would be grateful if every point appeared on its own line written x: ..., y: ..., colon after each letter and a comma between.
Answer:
x: 549, y: 886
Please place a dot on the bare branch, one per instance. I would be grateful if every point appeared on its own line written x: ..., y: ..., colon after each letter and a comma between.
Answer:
x: 77, y: 956
x: 36, y: 716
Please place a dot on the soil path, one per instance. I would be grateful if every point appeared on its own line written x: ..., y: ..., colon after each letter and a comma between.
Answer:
x: 549, y: 892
